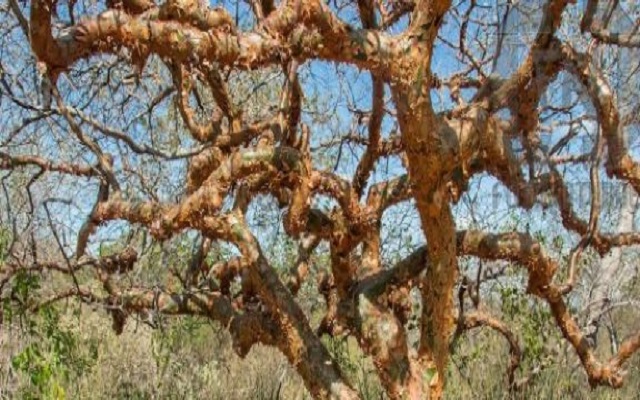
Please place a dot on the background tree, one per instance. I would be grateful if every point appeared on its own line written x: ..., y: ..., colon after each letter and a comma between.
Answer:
x: 206, y: 143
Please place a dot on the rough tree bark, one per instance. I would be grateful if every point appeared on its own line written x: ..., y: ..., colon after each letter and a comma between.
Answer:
x: 491, y: 125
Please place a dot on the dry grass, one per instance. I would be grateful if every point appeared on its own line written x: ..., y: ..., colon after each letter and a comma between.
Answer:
x: 181, y: 362
x: 193, y: 359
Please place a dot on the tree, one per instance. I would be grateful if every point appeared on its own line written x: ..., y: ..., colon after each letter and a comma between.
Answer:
x: 441, y: 103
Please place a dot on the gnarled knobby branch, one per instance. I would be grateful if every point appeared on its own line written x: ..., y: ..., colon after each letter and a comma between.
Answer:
x: 527, y: 252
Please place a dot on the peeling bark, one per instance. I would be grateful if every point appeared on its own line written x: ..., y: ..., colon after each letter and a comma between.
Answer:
x: 238, y: 159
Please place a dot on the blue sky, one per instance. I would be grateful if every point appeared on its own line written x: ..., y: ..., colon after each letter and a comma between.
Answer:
x: 325, y: 87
